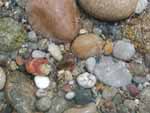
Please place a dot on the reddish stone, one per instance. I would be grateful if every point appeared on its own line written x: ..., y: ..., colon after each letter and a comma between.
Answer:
x: 133, y: 90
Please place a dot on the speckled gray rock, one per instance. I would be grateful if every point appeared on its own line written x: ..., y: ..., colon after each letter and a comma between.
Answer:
x: 59, y: 105
x: 20, y: 92
x: 113, y: 73
x: 2, y: 78
x: 43, y: 104
x: 21, y: 3
x: 12, y: 35
x: 123, y: 50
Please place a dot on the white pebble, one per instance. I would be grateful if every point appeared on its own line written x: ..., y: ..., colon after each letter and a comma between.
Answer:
x: 148, y: 77
x: 146, y: 84
x: 42, y: 82
x: 141, y: 6
x: 70, y: 95
x: 86, y: 80
x: 2, y: 78
x: 90, y: 64
x: 55, y: 51
x: 38, y: 54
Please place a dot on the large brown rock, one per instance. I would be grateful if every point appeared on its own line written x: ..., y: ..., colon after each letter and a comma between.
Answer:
x: 54, y: 18
x: 87, y: 45
x: 110, y: 10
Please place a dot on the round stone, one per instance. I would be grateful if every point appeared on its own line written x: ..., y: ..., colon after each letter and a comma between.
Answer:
x: 70, y: 95
x: 2, y: 78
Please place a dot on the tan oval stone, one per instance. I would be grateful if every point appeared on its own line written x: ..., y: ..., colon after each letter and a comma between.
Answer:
x: 110, y: 10
x: 87, y: 45
x: 54, y: 18
x: 90, y: 108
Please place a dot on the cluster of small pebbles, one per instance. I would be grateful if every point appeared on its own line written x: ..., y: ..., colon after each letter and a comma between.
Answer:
x: 74, y: 56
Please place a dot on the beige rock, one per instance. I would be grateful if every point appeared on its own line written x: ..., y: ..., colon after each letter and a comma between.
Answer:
x: 87, y: 45
x: 91, y: 108
x: 110, y: 10
x: 54, y: 18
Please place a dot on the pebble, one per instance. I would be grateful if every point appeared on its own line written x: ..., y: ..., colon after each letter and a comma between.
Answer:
x: 147, y: 60
x: 32, y: 36
x: 108, y: 48
x: 51, y: 26
x: 113, y: 73
x: 123, y: 50
x: 109, y: 93
x: 70, y: 95
x: 87, y: 45
x: 133, y: 90
x: 130, y: 104
x: 55, y: 51
x: 2, y: 78
x: 90, y: 108
x: 38, y: 54
x: 148, y: 77
x: 41, y: 82
x: 43, y: 104
x: 90, y: 64
x: 41, y: 93
x: 86, y: 80
x: 109, y: 10
x: 141, y: 6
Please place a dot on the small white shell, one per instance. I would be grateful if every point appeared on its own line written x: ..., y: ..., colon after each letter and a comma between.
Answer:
x: 141, y: 6
x: 42, y: 82
x: 86, y: 80
x: 55, y: 51
x: 70, y: 95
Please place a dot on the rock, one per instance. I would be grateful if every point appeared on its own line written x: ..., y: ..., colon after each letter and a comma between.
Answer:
x: 32, y: 36
x: 38, y: 54
x: 20, y: 92
x: 70, y: 95
x: 21, y: 3
x: 113, y: 73
x: 12, y: 35
x: 130, y: 104
x: 43, y: 104
x: 42, y: 82
x: 41, y: 93
x: 133, y: 90
x: 83, y: 96
x: 90, y: 108
x: 108, y: 48
x: 2, y: 78
x: 109, y: 93
x: 123, y: 50
x: 87, y: 45
x: 147, y: 60
x: 109, y: 10
x: 55, y: 51
x: 59, y: 105
x: 141, y: 6
x: 90, y: 64
x: 86, y: 80
x: 54, y: 11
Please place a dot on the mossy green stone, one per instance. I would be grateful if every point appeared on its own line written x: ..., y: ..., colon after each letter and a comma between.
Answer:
x: 12, y: 35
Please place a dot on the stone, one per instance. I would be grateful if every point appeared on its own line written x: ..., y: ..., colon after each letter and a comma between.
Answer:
x: 147, y: 60
x: 86, y: 80
x: 41, y: 82
x: 55, y: 51
x: 123, y: 50
x: 70, y: 95
x: 43, y: 104
x: 32, y: 36
x: 141, y: 6
x: 87, y: 45
x: 90, y: 64
x: 113, y: 10
x: 21, y: 3
x: 90, y: 108
x: 12, y: 35
x: 130, y: 104
x: 59, y: 105
x: 113, y: 73
x: 2, y: 78
x: 54, y: 11
x: 108, y: 48
x: 41, y: 93
x: 109, y: 93
x: 133, y: 90
x: 20, y: 92
x: 38, y: 54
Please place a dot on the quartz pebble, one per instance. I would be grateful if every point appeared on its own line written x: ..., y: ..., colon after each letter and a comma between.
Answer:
x: 90, y: 108
x: 86, y: 80
x: 2, y: 78
x: 90, y: 64
x: 123, y: 50
x: 55, y: 51
x: 38, y: 54
x: 42, y: 82
x: 70, y: 95
x: 141, y: 6
x: 113, y: 73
